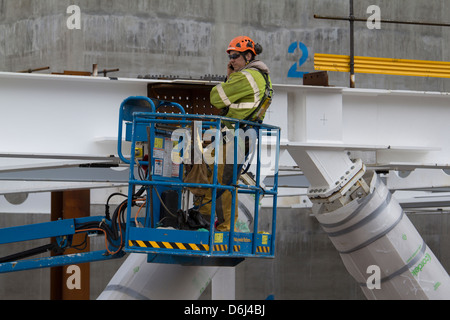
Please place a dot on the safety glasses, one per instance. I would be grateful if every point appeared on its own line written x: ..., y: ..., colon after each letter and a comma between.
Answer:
x: 234, y: 56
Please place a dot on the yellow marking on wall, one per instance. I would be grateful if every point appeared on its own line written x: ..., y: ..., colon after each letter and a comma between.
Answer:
x: 402, y: 67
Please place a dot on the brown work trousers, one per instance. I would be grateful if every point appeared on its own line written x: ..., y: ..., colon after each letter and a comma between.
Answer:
x: 223, y: 197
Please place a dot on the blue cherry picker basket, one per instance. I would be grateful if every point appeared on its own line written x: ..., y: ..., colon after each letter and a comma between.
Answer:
x: 160, y: 147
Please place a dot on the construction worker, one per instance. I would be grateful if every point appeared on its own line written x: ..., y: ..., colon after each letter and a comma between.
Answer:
x: 245, y: 86
x: 239, y: 97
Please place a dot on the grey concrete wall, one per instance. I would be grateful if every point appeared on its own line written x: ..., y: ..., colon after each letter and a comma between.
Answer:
x: 189, y: 38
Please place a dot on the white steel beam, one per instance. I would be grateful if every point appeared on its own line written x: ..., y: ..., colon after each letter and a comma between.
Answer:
x: 419, y: 179
x: 394, y: 129
x: 78, y: 116
x: 64, y: 117
x: 62, y: 121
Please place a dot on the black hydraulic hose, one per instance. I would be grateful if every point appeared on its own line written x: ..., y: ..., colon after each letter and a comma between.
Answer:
x: 29, y: 253
x: 107, y: 203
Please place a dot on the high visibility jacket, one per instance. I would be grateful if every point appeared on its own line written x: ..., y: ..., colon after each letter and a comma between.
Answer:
x: 242, y: 92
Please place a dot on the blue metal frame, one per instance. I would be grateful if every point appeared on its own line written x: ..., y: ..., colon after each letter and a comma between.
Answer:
x: 165, y: 244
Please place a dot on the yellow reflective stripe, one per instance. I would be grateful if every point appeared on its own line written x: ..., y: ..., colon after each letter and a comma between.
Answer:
x: 242, y: 105
x: 223, y: 96
x: 255, y: 88
x: 253, y: 84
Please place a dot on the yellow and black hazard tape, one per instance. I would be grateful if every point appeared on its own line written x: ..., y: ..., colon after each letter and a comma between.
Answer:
x: 168, y: 245
x: 224, y: 247
x: 262, y: 249
x: 180, y: 246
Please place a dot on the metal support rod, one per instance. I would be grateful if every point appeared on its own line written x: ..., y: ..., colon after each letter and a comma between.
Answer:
x: 33, y: 70
x: 418, y: 23
x: 105, y: 71
x: 352, y: 45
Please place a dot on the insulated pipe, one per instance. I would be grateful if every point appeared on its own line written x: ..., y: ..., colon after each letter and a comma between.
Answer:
x: 137, y: 279
x: 373, y: 233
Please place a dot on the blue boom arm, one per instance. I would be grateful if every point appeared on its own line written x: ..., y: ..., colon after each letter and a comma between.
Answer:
x: 63, y: 231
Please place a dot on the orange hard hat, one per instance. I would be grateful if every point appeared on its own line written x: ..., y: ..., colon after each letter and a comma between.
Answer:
x: 242, y: 44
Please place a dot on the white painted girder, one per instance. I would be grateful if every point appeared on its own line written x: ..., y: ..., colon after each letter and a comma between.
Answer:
x: 391, y: 129
x: 75, y: 119
x: 64, y: 117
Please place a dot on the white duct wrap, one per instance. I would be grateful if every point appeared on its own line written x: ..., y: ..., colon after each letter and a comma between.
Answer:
x: 374, y: 231
x: 137, y: 279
